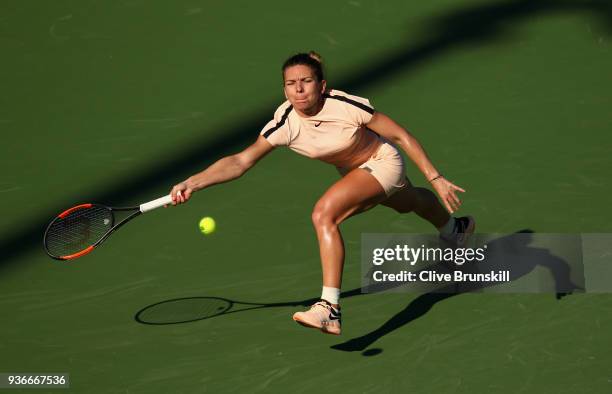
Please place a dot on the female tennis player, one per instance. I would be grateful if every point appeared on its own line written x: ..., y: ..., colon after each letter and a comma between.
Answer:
x: 346, y: 132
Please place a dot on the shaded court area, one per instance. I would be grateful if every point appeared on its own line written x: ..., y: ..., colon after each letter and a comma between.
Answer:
x: 115, y: 102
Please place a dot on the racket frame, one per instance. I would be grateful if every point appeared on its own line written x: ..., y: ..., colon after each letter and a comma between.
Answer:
x: 146, y: 207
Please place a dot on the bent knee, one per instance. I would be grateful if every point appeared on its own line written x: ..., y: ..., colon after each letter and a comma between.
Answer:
x: 322, y: 215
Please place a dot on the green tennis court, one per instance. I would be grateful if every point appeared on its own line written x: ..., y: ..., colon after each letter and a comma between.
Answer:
x: 114, y: 102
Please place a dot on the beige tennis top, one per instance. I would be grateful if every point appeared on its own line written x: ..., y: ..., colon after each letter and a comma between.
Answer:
x: 336, y: 135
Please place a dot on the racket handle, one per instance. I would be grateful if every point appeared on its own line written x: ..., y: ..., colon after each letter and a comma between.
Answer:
x: 151, y: 205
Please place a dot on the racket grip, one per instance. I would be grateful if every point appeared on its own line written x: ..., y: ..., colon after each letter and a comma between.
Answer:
x: 151, y: 205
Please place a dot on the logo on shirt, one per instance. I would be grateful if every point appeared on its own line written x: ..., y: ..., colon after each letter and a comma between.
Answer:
x: 318, y: 124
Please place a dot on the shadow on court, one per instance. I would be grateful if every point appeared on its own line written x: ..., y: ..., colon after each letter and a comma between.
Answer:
x: 522, y: 261
x: 192, y: 309
x: 464, y: 27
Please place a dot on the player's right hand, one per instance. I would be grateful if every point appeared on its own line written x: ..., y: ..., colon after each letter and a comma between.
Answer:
x: 181, y: 193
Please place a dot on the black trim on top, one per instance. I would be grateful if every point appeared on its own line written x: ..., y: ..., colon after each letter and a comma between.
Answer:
x: 357, y: 104
x: 271, y: 130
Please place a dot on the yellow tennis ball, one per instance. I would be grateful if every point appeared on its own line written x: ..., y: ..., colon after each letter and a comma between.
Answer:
x: 207, y: 225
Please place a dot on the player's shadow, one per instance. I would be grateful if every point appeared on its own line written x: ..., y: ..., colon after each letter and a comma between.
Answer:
x: 482, y: 23
x: 512, y: 253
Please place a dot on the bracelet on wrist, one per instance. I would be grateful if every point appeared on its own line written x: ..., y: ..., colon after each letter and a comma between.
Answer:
x: 436, y: 177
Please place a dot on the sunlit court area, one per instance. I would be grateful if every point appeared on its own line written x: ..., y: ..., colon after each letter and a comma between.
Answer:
x: 116, y: 102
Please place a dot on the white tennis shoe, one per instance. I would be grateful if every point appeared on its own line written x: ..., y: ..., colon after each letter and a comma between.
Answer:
x: 321, y: 315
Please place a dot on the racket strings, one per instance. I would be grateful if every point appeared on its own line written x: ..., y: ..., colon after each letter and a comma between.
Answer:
x: 78, y: 230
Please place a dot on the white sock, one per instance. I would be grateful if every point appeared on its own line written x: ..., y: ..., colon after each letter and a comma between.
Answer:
x: 331, y: 295
x: 449, y: 228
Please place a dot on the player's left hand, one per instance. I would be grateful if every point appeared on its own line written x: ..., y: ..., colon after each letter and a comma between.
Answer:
x: 448, y: 193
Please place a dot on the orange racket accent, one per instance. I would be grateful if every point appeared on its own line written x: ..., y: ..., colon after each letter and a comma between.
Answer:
x: 79, y: 254
x: 69, y: 211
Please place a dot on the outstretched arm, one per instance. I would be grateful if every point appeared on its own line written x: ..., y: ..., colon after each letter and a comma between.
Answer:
x: 386, y: 127
x: 223, y: 170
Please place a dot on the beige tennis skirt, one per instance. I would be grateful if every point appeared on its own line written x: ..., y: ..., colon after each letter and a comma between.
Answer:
x: 387, y: 166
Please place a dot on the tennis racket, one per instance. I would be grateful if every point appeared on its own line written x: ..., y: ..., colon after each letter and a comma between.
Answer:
x: 78, y: 230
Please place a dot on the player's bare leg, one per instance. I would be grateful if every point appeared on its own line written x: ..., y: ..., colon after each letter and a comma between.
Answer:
x: 424, y: 203
x: 356, y: 192
x: 419, y: 200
